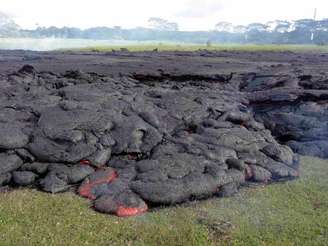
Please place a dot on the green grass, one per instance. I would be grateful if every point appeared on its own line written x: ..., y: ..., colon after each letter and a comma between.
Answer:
x: 215, y: 47
x: 293, y: 213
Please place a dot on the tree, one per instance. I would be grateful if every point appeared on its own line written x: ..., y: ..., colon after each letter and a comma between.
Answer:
x: 7, y: 26
x: 162, y: 24
x: 256, y: 27
x: 278, y: 26
x: 239, y: 29
x: 305, y: 24
x: 224, y: 27
x: 322, y: 25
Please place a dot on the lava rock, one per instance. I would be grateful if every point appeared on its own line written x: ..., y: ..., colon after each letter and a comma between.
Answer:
x: 279, y: 153
x: 9, y: 163
x: 123, y: 204
x: 24, y: 178
x: 236, y: 163
x: 100, y: 158
x: 259, y: 174
x: 25, y: 155
x: 12, y: 137
x: 79, y: 173
x: 36, y: 167
x: 90, y: 186
x: 53, y: 184
x: 27, y: 69
x: 5, y: 179
x: 155, y: 138
x: 228, y: 190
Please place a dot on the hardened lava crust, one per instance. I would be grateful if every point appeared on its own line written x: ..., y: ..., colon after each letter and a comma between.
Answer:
x: 131, y: 131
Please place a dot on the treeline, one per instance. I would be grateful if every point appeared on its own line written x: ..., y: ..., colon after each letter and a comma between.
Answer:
x: 305, y: 31
x: 297, y: 36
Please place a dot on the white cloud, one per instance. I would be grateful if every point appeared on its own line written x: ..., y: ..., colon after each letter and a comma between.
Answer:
x: 190, y: 14
x: 200, y: 9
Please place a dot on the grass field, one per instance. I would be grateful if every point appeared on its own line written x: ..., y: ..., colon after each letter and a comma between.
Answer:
x: 293, y: 213
x: 215, y: 47
x: 45, y: 44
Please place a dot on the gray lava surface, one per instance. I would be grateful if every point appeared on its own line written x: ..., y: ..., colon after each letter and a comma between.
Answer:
x: 137, y: 130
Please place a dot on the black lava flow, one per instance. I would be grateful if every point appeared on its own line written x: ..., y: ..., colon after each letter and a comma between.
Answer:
x: 138, y: 141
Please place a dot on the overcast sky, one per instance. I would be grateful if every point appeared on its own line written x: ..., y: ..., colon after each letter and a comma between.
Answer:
x: 190, y: 14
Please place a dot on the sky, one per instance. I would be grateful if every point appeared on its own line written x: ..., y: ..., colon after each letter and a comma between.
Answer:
x: 190, y: 14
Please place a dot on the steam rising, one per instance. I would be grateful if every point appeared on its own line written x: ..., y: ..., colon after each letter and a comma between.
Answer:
x: 46, y: 44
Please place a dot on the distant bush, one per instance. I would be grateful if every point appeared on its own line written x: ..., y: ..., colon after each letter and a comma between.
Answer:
x: 209, y: 43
